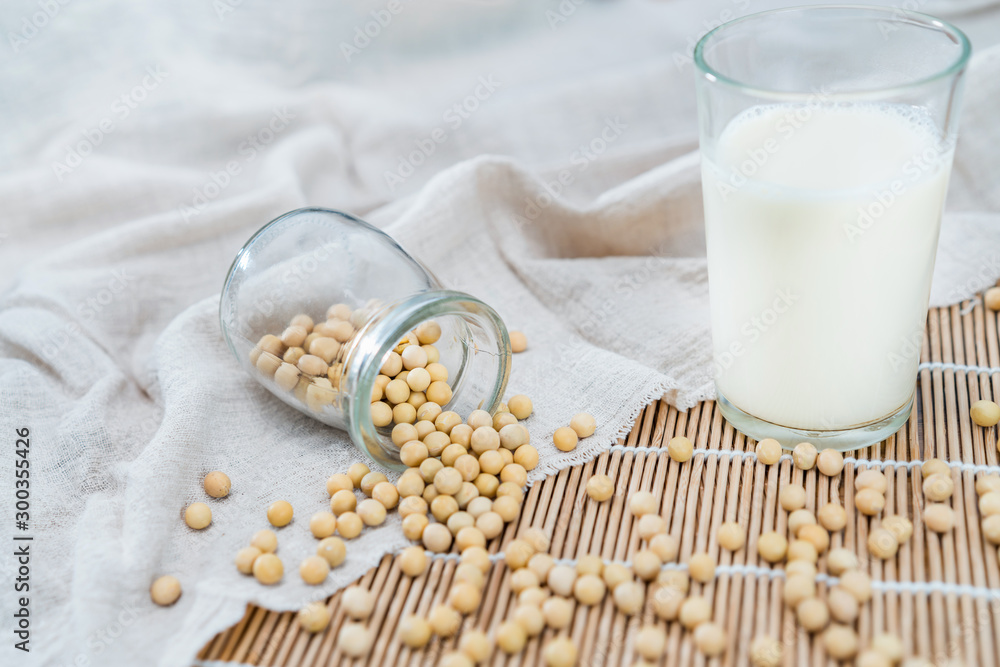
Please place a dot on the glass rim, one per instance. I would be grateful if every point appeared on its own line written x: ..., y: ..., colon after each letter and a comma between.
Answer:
x: 925, y: 20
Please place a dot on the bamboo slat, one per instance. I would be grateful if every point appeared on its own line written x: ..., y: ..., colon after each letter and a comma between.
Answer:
x: 940, y: 593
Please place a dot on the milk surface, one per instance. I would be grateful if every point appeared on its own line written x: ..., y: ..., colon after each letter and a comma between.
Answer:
x: 822, y: 224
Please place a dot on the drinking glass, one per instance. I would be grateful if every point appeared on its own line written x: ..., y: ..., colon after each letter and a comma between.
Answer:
x: 827, y: 135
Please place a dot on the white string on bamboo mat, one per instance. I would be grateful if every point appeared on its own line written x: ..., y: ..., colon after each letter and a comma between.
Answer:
x: 914, y: 587
x: 887, y: 463
x: 949, y: 366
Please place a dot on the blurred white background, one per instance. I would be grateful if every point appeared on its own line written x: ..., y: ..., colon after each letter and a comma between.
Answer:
x: 65, y: 66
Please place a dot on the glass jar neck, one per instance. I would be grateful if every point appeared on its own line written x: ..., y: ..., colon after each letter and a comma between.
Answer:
x: 474, y: 337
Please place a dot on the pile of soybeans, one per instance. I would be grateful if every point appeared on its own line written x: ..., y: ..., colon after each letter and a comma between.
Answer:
x: 466, y: 479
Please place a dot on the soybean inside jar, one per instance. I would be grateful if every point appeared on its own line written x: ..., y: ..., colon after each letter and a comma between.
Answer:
x: 334, y: 318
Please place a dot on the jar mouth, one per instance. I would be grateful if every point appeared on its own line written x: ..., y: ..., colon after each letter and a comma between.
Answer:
x: 363, y: 360
x: 880, y: 15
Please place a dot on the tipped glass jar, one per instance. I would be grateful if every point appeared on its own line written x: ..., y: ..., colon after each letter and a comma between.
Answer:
x: 321, y: 307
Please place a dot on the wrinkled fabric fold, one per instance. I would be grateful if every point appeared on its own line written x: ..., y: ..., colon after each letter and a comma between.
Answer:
x: 110, y: 348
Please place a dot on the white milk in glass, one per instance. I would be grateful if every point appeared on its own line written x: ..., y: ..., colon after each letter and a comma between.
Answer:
x: 822, y: 224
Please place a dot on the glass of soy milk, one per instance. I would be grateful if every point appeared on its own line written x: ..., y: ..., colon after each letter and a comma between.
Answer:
x: 827, y: 136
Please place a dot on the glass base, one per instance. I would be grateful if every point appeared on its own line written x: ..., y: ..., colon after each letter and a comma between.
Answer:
x: 842, y: 440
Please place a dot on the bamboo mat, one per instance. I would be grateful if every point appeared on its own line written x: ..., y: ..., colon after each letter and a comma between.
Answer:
x: 940, y: 594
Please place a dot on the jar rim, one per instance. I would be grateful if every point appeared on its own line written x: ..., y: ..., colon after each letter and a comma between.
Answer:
x: 380, y: 335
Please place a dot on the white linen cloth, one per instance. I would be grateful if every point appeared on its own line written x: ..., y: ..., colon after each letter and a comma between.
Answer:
x: 206, y: 120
